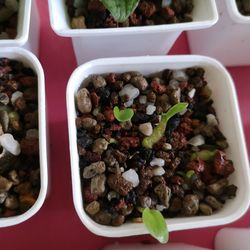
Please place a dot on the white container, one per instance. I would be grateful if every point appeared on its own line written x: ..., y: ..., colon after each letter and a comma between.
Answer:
x: 132, y: 41
x: 141, y: 246
x: 226, y: 106
x: 27, y: 28
x: 228, y: 40
x: 236, y: 238
x: 30, y: 60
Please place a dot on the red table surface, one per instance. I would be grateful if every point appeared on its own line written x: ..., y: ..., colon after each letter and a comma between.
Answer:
x: 56, y: 225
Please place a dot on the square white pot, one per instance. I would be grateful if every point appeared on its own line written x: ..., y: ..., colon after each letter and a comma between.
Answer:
x: 132, y: 41
x: 31, y: 61
x: 27, y: 28
x: 228, y: 40
x: 226, y: 106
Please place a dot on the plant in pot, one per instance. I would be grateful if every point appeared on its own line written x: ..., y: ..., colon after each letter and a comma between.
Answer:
x: 112, y: 14
x: 23, y: 149
x: 146, y: 144
x: 141, y: 33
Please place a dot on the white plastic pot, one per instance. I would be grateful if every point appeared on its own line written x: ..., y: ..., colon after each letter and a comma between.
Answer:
x: 228, y: 40
x: 226, y: 106
x: 132, y: 41
x: 31, y: 61
x: 27, y: 28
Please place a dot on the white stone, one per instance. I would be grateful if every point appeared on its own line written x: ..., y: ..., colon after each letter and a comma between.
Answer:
x: 160, y: 207
x: 197, y: 140
x: 167, y: 146
x: 128, y: 103
x: 211, y: 120
x: 180, y: 75
x: 143, y: 99
x: 8, y: 142
x: 130, y: 91
x: 157, y: 162
x: 146, y: 128
x: 150, y: 109
x: 158, y: 171
x: 174, y: 83
x: 131, y: 176
x: 191, y: 93
x: 15, y: 96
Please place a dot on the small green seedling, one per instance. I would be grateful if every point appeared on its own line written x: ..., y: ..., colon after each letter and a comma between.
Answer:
x: 155, y: 224
x: 159, y: 130
x: 205, y: 155
x: 123, y: 115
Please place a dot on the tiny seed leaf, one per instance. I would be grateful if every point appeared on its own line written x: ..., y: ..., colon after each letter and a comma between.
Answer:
x: 123, y: 115
x: 155, y: 224
x: 190, y: 173
x: 205, y: 155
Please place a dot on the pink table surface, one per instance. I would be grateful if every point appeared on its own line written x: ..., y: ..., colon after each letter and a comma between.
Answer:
x: 56, y: 225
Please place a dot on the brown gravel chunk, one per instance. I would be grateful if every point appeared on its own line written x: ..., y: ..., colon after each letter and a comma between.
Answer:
x: 98, y: 184
x: 164, y: 194
x: 205, y: 209
x: 93, y: 208
x: 190, y: 205
x: 94, y: 169
x: 119, y: 184
x: 213, y: 202
x: 103, y: 218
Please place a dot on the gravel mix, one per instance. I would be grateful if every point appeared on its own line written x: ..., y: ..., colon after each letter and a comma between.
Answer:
x: 19, y: 141
x: 93, y: 14
x: 184, y: 173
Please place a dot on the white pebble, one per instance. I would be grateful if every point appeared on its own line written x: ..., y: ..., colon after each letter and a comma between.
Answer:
x: 191, y: 93
x: 150, y: 109
x: 211, y: 120
x: 167, y: 146
x: 174, y: 83
x: 8, y: 142
x: 158, y: 171
x: 146, y: 128
x: 160, y: 207
x: 132, y: 177
x: 128, y: 103
x: 197, y: 140
x: 96, y: 111
x: 180, y: 75
x: 143, y: 99
x: 130, y: 91
x: 15, y: 96
x: 157, y: 162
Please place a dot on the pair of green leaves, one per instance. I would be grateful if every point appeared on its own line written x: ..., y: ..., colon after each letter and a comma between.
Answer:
x: 123, y: 115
